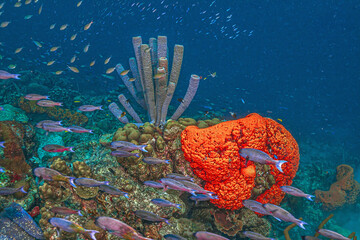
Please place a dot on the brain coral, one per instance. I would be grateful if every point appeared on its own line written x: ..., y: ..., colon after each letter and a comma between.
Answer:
x: 213, y: 154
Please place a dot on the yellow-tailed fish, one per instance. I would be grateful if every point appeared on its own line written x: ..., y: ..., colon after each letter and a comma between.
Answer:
x: 1, y: 5
x: 18, y: 50
x: 40, y: 9
x: 53, y: 49
x: 63, y: 27
x: 86, y: 48
x: 74, y: 69
x: 79, y: 4
x: 77, y: 101
x: 107, y: 60
x: 123, y: 73
x: 92, y: 63
x: 132, y: 79
x: 4, y: 24
x: 52, y: 26
x: 279, y: 119
x: 50, y: 63
x: 72, y: 60
x: 37, y: 44
x: 27, y: 17
x: 58, y: 72
x: 12, y: 66
x: 18, y: 4
x: 87, y: 26
x: 27, y: 2
x: 1, y: 13
x: 73, y: 37
x: 159, y: 75
x: 109, y: 100
x: 110, y: 70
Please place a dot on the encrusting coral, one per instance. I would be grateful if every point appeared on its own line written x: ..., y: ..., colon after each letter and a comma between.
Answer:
x: 213, y: 154
x: 344, y: 191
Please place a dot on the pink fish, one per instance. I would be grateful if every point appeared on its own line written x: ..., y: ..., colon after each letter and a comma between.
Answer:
x: 35, y: 97
x: 6, y: 75
x: 48, y: 103
x: 65, y: 211
x: 57, y: 148
x: 89, y: 108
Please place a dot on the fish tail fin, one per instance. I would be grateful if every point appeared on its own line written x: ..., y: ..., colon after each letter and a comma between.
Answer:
x: 100, y: 108
x: 92, y: 233
x: 178, y: 206
x: 309, y: 197
x: 279, y: 163
x: 79, y: 213
x: 142, y: 148
x: 166, y: 221
x: 60, y: 123
x: 167, y: 161
x: 17, y: 76
x: 126, y: 195
x: 71, y: 149
x: 106, y: 182
x: 68, y: 129
x: 21, y: 189
x: 47, y: 97
x: 90, y: 131
x: 137, y: 155
x: 71, y: 181
x: 300, y: 223
x: 192, y: 192
x: 2, y: 144
x: 60, y: 104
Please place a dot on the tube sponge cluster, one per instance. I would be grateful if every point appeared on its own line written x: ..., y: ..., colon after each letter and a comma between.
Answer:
x: 152, y: 85
x: 213, y: 154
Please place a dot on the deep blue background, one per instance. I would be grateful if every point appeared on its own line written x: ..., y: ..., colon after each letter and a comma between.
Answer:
x: 301, y: 61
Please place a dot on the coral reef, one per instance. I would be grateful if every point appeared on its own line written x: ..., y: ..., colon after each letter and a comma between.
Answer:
x: 344, y: 191
x: 153, y: 85
x: 57, y: 113
x: 213, y: 156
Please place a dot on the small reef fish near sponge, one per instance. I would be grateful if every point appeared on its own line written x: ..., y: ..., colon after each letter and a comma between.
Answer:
x: 213, y: 154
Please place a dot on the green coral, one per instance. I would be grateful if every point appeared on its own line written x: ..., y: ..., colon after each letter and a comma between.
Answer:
x: 11, y: 113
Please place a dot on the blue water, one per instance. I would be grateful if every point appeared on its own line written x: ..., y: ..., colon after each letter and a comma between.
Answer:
x: 297, y: 61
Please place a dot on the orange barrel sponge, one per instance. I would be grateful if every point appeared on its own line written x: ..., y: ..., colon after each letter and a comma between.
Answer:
x: 213, y: 154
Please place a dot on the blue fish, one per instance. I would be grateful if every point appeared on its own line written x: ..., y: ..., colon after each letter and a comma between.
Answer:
x: 165, y: 203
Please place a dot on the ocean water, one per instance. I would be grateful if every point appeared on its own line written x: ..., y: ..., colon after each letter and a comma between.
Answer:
x: 296, y: 62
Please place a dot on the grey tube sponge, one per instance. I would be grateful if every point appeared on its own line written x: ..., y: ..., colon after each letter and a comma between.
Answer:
x: 153, y: 51
x: 135, y: 72
x: 129, y: 108
x: 148, y: 80
x: 169, y: 94
x: 190, y: 93
x: 114, y: 109
x: 162, y: 47
x: 160, y: 84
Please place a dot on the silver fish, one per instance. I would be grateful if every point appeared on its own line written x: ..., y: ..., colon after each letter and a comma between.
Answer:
x: 256, y: 236
x: 331, y: 234
x: 202, y: 198
x: 208, y: 236
x: 54, y: 128
x: 78, y: 129
x: 281, y: 214
x: 9, y: 191
x: 127, y: 146
x: 255, y: 206
x: 89, y: 182
x: 179, y: 177
x: 153, y: 184
x: 196, y: 188
x: 68, y: 226
x: 176, y: 185
x: 258, y: 156
x: 152, y: 160
x: 50, y: 122
x: 49, y: 174
x: 173, y: 237
x: 296, y: 192
x: 112, y: 190
x: 120, y: 153
x: 165, y: 203
x: 149, y: 216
